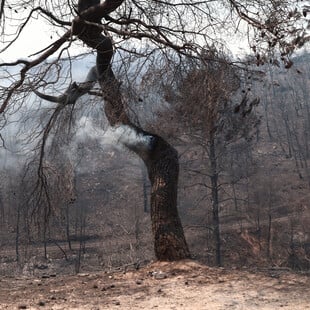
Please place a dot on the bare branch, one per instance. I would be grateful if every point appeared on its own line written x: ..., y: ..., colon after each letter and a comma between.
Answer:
x: 74, y: 91
x: 2, y: 9
x: 45, y: 12
x: 31, y: 64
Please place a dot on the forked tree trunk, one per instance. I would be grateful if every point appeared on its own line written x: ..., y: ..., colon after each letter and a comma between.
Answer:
x: 160, y: 158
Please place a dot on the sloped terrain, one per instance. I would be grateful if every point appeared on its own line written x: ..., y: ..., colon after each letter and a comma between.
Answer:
x: 161, y: 285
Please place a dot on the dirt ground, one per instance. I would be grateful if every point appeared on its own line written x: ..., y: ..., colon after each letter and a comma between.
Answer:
x: 179, y: 285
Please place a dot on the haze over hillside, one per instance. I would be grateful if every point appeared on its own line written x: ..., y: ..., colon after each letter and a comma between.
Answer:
x: 100, y: 214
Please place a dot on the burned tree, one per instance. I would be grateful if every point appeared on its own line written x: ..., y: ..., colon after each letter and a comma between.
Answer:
x: 158, y: 26
x: 160, y: 158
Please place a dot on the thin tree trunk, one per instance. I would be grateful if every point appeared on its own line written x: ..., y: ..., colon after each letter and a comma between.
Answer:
x: 44, y: 239
x: 215, y: 201
x: 68, y: 226
x: 17, y: 234
x: 258, y: 228
x: 267, y: 119
x: 235, y: 196
x: 269, y: 244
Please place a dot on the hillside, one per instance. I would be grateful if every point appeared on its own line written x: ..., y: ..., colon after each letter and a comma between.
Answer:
x: 100, y: 200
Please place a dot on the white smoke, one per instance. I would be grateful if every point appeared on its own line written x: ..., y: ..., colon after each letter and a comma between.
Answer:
x: 16, y: 144
x: 120, y: 137
x: 116, y: 136
x: 87, y: 129
x: 131, y: 138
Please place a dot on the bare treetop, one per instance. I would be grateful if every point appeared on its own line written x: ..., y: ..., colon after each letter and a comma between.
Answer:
x: 185, y: 24
x: 273, y: 29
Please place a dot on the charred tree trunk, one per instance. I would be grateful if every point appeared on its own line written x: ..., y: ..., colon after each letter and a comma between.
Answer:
x: 160, y: 158
x: 163, y: 170
x: 215, y: 200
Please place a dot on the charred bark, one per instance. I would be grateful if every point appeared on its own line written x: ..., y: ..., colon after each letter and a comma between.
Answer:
x: 163, y: 169
x: 160, y: 158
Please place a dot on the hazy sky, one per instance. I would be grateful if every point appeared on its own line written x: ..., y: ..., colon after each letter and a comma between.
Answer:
x: 33, y: 38
x: 38, y: 35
